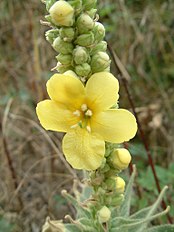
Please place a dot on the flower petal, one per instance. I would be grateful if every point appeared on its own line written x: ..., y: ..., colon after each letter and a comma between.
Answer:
x: 115, y: 126
x: 102, y: 91
x: 66, y: 89
x: 83, y: 150
x: 54, y: 116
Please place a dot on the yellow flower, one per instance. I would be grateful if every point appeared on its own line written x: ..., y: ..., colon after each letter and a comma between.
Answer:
x: 62, y: 13
x: 85, y: 114
x: 120, y: 158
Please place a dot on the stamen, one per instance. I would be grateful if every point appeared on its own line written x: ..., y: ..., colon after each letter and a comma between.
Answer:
x: 88, y: 129
x: 74, y: 126
x: 88, y: 113
x: 84, y: 107
x: 77, y: 113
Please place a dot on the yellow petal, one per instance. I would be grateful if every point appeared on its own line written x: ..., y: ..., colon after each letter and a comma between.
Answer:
x: 115, y: 126
x: 67, y: 90
x: 102, y: 91
x: 83, y: 150
x: 54, y: 116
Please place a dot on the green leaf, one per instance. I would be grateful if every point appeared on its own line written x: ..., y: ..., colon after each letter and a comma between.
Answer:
x: 125, y: 207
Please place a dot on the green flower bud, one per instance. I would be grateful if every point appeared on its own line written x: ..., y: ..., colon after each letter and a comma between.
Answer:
x: 53, y: 226
x: 89, y: 4
x: 83, y: 70
x: 62, y: 13
x: 85, y: 39
x: 92, y: 13
x: 110, y: 183
x: 116, y: 200
x: 64, y: 59
x: 70, y: 73
x: 104, y: 214
x: 80, y: 55
x: 62, y: 46
x: 67, y: 33
x: 62, y: 68
x: 120, y: 158
x: 51, y: 35
x: 99, y: 31
x: 100, y: 47
x: 120, y: 185
x: 99, y: 62
x: 84, y: 23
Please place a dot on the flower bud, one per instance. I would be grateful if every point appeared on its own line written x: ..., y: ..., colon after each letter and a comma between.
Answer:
x: 62, y: 13
x: 110, y: 183
x: 67, y: 33
x: 120, y: 158
x: 89, y: 4
x: 51, y: 35
x: 53, y: 226
x: 80, y: 55
x: 92, y: 13
x: 83, y: 70
x: 99, y: 62
x: 104, y: 214
x: 84, y: 23
x: 85, y: 39
x: 62, y: 47
x: 116, y: 200
x: 100, y: 47
x: 70, y: 73
x: 63, y: 67
x: 99, y: 31
x: 120, y: 185
x: 64, y: 59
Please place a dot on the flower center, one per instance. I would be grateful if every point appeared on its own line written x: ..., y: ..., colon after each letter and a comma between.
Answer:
x: 84, y: 114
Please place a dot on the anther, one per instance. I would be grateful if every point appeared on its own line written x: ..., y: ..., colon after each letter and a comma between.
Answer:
x: 77, y: 113
x: 88, y: 113
x: 88, y: 128
x: 84, y: 107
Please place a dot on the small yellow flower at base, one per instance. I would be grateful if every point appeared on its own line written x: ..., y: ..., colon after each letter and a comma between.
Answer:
x: 120, y: 158
x: 84, y: 113
x: 104, y: 214
x: 120, y: 185
x: 62, y: 13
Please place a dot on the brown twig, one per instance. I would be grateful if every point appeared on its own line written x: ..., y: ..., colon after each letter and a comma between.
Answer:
x: 141, y: 132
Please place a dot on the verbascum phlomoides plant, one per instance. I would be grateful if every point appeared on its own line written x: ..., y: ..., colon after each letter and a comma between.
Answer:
x: 84, y: 104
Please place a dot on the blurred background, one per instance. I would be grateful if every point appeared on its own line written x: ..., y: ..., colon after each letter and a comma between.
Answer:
x: 32, y: 169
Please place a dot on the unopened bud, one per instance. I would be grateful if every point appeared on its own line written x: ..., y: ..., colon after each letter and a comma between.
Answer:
x: 70, y: 73
x: 53, y: 226
x: 92, y: 13
x: 67, y: 33
x: 89, y: 4
x: 85, y: 39
x: 62, y: 13
x: 80, y: 55
x: 99, y: 31
x: 99, y: 62
x: 104, y: 214
x: 64, y: 59
x: 120, y: 185
x: 117, y: 200
x: 83, y: 70
x: 84, y: 23
x: 100, y: 47
x: 62, y: 68
x: 51, y: 35
x: 120, y: 158
x: 62, y: 47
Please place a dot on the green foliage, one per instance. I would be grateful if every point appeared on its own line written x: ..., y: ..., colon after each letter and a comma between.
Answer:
x: 5, y: 226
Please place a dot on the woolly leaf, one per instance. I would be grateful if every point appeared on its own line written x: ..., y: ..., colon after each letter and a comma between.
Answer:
x: 125, y: 207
